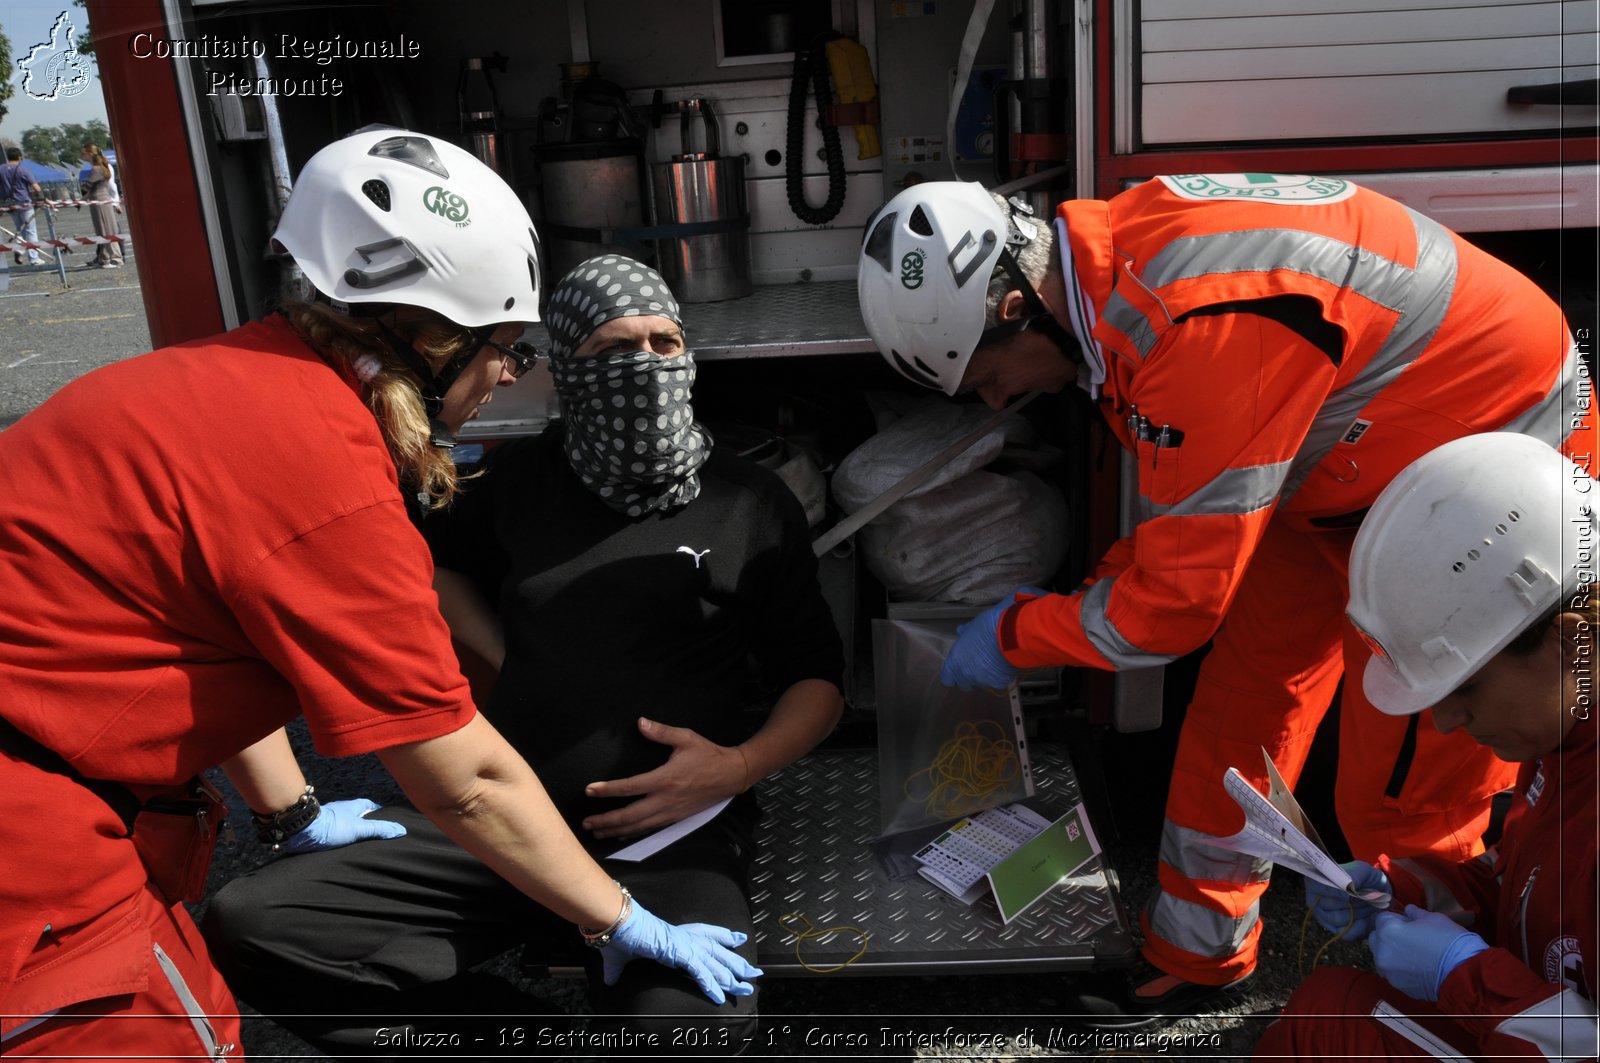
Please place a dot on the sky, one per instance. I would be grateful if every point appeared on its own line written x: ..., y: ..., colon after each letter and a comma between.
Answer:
x: 28, y: 22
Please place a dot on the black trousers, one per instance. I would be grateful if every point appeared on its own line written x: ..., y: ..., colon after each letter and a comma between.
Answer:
x: 367, y: 948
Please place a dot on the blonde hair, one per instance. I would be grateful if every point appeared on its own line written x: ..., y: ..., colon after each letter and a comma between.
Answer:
x: 393, y: 391
x: 97, y: 157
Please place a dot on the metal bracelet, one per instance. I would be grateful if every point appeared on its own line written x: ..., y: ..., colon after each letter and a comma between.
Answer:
x: 599, y: 939
x: 279, y: 826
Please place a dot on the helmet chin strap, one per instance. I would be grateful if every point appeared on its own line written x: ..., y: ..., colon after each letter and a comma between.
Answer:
x: 434, y: 385
x: 1037, y: 318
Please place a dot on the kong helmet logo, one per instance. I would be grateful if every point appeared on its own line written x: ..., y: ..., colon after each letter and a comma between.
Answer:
x: 445, y: 203
x: 911, y: 266
x: 53, y: 69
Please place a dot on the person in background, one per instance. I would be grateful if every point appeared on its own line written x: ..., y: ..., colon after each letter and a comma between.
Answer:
x: 100, y: 188
x: 18, y: 192
x: 1473, y: 577
x: 205, y: 542
x: 619, y: 572
x: 1271, y: 350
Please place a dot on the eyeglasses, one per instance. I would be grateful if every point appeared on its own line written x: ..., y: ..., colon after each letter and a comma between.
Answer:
x: 518, y: 358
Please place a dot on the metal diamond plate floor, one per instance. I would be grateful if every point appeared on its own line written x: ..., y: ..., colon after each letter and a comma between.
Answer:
x: 821, y: 857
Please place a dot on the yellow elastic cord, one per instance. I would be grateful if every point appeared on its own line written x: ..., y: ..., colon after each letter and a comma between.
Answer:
x: 1316, y: 957
x: 968, y: 769
x: 810, y: 933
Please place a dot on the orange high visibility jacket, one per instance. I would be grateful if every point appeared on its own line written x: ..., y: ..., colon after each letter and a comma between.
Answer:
x: 1408, y: 337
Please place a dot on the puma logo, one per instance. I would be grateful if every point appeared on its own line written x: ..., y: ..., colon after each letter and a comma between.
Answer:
x: 696, y: 554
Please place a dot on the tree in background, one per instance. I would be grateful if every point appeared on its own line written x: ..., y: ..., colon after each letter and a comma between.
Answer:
x: 85, y: 41
x: 6, y: 87
x: 59, y: 145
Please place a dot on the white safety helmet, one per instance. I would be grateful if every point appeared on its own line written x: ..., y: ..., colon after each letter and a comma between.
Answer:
x: 1466, y: 549
x: 926, y: 260
x: 391, y: 216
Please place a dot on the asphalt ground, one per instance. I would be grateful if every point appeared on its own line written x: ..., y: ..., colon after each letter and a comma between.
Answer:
x: 50, y: 334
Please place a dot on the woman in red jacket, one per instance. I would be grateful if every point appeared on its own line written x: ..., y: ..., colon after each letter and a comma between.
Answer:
x: 1473, y: 578
x: 199, y: 545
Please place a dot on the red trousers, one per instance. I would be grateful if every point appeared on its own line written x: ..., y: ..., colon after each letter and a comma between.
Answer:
x: 1266, y: 684
x: 184, y: 1009
x: 1340, y: 1013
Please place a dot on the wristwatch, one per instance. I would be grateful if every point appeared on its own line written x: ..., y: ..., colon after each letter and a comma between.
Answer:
x: 277, y: 827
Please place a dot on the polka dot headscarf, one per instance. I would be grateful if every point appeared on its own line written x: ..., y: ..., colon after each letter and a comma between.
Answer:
x: 631, y: 436
x: 596, y: 291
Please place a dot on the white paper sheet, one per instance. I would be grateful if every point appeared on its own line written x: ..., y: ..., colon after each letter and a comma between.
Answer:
x: 652, y: 844
x: 1276, y: 829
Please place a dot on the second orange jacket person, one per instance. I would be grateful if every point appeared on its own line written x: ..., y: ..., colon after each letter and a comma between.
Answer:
x: 1273, y: 354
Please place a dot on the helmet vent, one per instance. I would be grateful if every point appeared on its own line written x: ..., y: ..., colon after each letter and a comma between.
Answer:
x: 952, y: 355
x: 415, y: 151
x: 879, y: 241
x: 510, y: 302
x: 919, y: 223
x: 378, y: 192
x: 912, y: 372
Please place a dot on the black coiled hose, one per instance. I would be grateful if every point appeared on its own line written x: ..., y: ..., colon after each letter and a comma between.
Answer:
x: 812, y: 60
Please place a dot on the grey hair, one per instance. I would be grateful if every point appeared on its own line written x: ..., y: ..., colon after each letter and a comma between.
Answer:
x: 1033, y: 258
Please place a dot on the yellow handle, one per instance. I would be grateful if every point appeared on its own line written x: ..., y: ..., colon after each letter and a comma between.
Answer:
x: 852, y: 81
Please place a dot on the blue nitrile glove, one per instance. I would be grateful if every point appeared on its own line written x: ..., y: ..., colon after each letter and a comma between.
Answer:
x: 1416, y: 952
x: 1335, y: 909
x: 975, y: 660
x: 340, y: 823
x: 704, y: 951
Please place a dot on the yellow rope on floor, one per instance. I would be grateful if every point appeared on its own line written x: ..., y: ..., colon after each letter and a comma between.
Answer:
x: 810, y: 933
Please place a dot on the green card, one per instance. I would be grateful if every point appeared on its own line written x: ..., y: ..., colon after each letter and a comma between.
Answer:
x: 1040, y: 864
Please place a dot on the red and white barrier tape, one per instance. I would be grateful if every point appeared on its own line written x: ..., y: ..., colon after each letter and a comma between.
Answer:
x: 36, y: 204
x: 68, y: 243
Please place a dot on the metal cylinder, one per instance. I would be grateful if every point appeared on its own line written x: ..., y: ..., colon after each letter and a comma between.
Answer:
x: 590, y: 191
x: 708, y: 194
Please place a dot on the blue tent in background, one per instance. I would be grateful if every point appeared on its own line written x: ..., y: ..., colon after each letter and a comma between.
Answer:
x: 45, y: 175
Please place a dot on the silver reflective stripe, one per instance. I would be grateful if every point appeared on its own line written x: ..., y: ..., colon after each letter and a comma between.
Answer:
x: 197, y: 1015
x: 1407, y: 1027
x: 1264, y: 250
x: 30, y: 1024
x: 1129, y: 321
x: 1196, y: 856
x: 1563, y: 1027
x: 1104, y: 636
x: 1422, y: 312
x: 1202, y: 931
x: 1233, y: 492
x: 1550, y: 421
x: 1337, y: 262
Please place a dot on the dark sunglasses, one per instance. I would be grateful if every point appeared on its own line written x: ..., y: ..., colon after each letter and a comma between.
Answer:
x: 522, y: 355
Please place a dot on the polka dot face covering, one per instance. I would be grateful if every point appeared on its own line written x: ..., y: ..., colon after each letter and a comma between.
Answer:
x: 631, y: 434
x: 599, y: 290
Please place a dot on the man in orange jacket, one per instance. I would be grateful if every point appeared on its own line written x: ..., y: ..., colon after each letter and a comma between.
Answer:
x: 1273, y: 349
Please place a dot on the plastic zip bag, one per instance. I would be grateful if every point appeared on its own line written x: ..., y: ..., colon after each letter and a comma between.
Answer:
x: 943, y: 753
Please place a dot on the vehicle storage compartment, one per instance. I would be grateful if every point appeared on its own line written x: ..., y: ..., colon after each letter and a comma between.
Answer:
x: 1235, y: 71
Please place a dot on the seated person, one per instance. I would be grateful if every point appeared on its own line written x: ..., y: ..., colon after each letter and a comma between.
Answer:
x: 1473, y: 577
x: 637, y: 570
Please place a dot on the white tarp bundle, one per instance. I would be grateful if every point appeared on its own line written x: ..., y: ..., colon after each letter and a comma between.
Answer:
x: 967, y: 535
